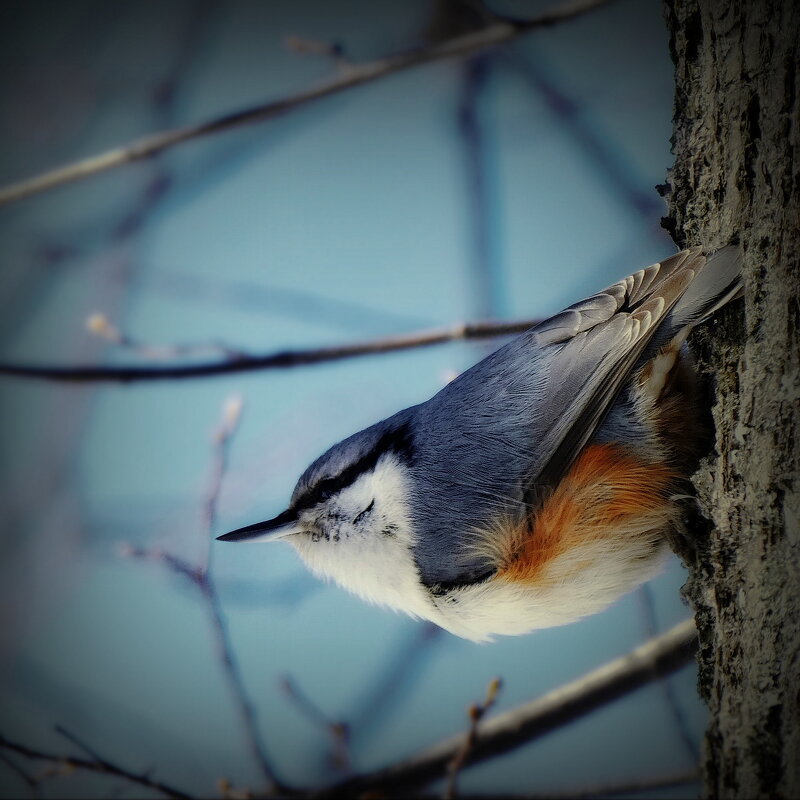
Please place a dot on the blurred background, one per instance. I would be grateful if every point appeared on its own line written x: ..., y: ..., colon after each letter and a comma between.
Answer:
x: 504, y: 186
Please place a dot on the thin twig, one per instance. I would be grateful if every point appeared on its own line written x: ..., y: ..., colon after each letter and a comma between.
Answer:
x: 228, y: 792
x: 229, y: 422
x: 394, y: 682
x: 347, y: 78
x: 616, y: 173
x: 266, y: 299
x: 247, y: 710
x: 81, y: 745
x: 472, y: 128
x: 101, y: 326
x: 120, y: 233
x: 476, y: 714
x: 92, y: 765
x: 204, y: 581
x: 281, y: 360
x: 201, y: 578
x: 505, y: 732
x: 338, y: 731
x: 158, y: 556
x: 116, y: 239
x: 31, y: 782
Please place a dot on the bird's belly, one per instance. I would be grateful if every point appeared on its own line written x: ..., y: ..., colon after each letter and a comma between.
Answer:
x: 599, y: 534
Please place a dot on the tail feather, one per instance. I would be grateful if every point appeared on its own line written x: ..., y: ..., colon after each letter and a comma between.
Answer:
x: 719, y: 282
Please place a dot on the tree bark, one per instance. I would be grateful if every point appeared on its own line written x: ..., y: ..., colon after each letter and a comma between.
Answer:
x: 737, y: 177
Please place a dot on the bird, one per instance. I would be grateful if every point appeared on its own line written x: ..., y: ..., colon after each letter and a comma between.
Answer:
x: 539, y: 485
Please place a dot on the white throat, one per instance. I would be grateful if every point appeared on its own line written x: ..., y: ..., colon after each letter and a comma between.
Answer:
x: 371, y: 556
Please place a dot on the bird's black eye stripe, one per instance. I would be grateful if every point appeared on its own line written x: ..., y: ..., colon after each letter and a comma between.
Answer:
x: 325, y: 489
x: 398, y: 441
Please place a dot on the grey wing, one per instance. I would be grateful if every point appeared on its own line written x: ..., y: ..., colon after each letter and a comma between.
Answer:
x: 517, y: 420
x: 602, y: 338
x: 623, y: 323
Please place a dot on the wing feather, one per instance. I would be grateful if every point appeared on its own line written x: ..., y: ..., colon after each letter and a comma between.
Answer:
x: 595, y: 362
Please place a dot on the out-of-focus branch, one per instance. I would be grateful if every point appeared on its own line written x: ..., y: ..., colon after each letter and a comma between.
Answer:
x: 280, y: 360
x: 682, y: 728
x: 386, y: 690
x: 267, y: 299
x: 348, y: 77
x: 588, y: 792
x: 94, y: 764
x: 394, y: 681
x: 31, y: 782
x: 226, y: 428
x: 479, y: 175
x: 510, y: 730
x: 201, y: 578
x: 338, y: 731
x: 100, y: 325
x: 616, y: 172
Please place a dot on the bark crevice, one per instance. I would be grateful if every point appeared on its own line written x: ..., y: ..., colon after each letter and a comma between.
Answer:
x: 736, y: 177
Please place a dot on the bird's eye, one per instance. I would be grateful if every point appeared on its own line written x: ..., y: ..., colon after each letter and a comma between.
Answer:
x: 325, y: 490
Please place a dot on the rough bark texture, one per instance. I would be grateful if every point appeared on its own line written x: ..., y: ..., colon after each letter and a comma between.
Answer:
x: 737, y: 176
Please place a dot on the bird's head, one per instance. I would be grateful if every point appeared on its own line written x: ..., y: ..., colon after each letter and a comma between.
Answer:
x: 349, y: 517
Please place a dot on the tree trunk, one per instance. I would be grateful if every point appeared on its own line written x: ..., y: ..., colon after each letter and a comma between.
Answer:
x: 737, y: 177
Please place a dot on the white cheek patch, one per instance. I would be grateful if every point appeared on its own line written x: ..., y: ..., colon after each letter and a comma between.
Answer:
x: 370, y: 554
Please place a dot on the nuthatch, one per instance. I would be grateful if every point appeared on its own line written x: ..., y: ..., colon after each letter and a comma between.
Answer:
x: 539, y: 485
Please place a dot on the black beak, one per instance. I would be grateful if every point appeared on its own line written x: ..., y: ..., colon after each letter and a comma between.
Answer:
x: 272, y: 529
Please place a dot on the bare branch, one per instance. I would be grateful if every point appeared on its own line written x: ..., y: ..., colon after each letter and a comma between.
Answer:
x: 347, y: 78
x: 473, y: 129
x: 590, y: 792
x: 507, y: 731
x: 394, y: 681
x: 617, y: 174
x: 31, y: 782
x: 280, y: 360
x: 228, y: 792
x: 231, y: 415
x: 268, y: 299
x: 71, y: 737
x: 338, y: 731
x: 98, y: 324
x: 201, y: 578
x: 629, y: 787
x: 158, y: 556
x: 94, y: 765
x: 476, y: 714
x: 245, y: 706
x: 229, y: 422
